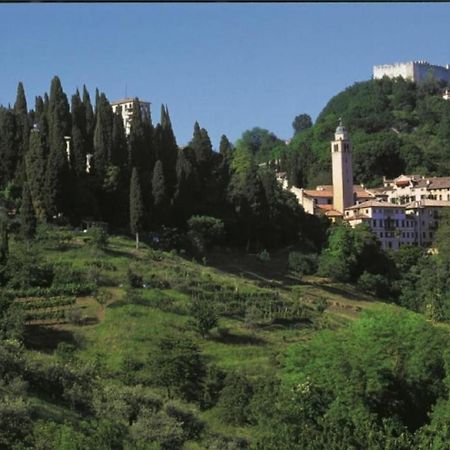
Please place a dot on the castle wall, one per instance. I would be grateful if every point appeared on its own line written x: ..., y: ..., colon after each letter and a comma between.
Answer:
x: 404, y: 70
x: 414, y: 71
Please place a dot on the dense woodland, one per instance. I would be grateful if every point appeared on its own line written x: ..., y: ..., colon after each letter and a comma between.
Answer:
x: 143, y: 181
x: 240, y: 322
x: 395, y: 126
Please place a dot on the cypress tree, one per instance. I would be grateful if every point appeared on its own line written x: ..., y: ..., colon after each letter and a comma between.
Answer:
x: 119, y: 155
x: 102, y: 139
x: 79, y: 136
x: 27, y: 215
x: 22, y: 131
x: 8, y: 154
x: 57, y: 164
x: 35, y: 163
x: 41, y: 122
x: 4, y: 239
x: 225, y: 148
x: 89, y: 120
x: 159, y: 191
x: 201, y: 144
x: 59, y: 110
x: 137, y: 211
x: 187, y: 188
x: 167, y: 150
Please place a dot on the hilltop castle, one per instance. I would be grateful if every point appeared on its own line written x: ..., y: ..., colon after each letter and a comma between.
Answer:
x: 414, y: 70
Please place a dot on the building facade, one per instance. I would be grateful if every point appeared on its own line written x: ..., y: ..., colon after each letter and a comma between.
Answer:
x: 126, y: 107
x: 404, y: 211
x: 414, y: 70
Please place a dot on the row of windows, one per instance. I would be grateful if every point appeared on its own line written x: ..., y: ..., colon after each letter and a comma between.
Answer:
x: 391, y: 222
x: 405, y: 235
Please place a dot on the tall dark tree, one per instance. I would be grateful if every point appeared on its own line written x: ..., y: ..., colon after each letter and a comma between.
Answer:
x: 225, y: 147
x: 8, y: 154
x: 167, y: 149
x: 89, y: 120
x: 79, y: 136
x: 201, y: 144
x: 57, y: 165
x: 102, y: 138
x: 187, y: 188
x: 119, y: 155
x: 137, y: 210
x: 4, y: 239
x: 159, y: 191
x: 22, y: 130
x: 301, y: 123
x: 27, y: 215
x: 35, y: 167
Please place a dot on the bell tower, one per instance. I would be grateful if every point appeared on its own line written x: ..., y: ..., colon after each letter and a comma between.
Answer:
x: 341, y: 159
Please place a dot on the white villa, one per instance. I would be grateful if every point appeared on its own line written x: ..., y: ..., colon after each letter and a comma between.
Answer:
x: 126, y: 106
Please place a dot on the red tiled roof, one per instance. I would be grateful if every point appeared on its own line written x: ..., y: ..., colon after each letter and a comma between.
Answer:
x: 316, y: 193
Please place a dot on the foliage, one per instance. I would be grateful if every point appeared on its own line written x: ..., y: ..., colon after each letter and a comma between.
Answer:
x: 302, y: 264
x: 235, y: 398
x: 177, y: 365
x: 205, y: 316
x: 98, y: 237
x: 386, y: 364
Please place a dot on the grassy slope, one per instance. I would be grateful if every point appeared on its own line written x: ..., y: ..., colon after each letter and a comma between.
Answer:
x: 122, y: 329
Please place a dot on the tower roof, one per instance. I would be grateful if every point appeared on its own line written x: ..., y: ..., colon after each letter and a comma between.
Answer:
x: 341, y: 128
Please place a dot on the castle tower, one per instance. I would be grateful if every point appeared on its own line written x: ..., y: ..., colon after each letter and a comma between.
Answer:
x: 341, y: 159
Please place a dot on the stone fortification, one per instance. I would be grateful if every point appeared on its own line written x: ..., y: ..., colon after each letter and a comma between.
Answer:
x: 415, y: 71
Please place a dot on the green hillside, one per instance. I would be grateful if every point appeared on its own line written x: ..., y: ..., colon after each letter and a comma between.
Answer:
x: 91, y: 332
x: 395, y: 126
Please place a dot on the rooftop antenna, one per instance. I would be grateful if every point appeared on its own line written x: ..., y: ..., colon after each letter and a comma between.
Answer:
x: 125, y: 90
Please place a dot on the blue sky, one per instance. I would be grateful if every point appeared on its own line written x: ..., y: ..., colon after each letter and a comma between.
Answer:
x: 229, y: 66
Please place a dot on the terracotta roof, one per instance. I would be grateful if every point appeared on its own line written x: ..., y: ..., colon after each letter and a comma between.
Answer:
x: 327, y: 191
x: 325, y: 207
x: 316, y: 193
x: 333, y: 213
x: 434, y: 183
x: 375, y: 204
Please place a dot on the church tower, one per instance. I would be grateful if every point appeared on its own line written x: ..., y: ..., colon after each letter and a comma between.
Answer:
x: 341, y: 158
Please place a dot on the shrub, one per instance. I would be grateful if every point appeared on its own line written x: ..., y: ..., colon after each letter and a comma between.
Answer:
x: 302, y: 264
x: 204, y: 232
x: 375, y: 284
x: 191, y: 424
x: 264, y: 256
x: 98, y: 237
x: 134, y: 279
x: 235, y: 398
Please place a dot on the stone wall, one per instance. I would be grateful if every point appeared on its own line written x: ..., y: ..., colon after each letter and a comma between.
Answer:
x: 415, y: 71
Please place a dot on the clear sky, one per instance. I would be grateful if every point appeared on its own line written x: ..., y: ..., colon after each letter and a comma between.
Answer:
x: 229, y: 66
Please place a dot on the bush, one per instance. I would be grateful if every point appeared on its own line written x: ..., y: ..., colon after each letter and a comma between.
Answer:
x: 191, y: 424
x: 302, y: 264
x: 235, y: 398
x: 27, y: 268
x: 134, y: 280
x: 264, y: 256
x: 65, y: 273
x: 98, y: 237
x: 204, y: 232
x: 375, y: 284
